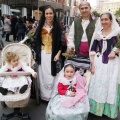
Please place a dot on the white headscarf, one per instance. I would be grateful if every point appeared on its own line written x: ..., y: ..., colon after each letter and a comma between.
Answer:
x: 98, y: 32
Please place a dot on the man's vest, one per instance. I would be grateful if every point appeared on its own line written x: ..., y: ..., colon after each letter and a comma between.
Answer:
x: 79, y: 31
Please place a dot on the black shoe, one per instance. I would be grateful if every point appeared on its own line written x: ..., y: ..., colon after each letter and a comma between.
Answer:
x: 3, y: 91
x: 23, y: 89
x: 8, y: 41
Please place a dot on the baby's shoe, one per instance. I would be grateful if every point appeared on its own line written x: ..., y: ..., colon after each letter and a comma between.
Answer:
x: 3, y: 91
x: 23, y: 89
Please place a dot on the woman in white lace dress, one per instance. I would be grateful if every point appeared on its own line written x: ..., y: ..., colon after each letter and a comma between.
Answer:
x: 104, y: 83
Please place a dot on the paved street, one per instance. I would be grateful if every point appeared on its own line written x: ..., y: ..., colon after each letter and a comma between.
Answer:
x: 37, y: 112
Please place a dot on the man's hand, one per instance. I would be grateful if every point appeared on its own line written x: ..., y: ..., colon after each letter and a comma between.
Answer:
x: 72, y: 50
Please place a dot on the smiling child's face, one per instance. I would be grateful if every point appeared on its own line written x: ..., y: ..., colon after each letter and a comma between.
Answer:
x: 69, y: 72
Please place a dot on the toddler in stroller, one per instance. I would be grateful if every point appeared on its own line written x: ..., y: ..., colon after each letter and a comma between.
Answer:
x: 21, y: 84
x: 15, y: 83
x: 69, y: 100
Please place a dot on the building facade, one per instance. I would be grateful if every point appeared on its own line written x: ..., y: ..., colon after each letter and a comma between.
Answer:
x: 111, y: 6
x: 105, y: 6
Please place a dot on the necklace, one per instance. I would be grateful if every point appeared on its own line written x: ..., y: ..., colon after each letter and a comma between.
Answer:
x: 48, y: 25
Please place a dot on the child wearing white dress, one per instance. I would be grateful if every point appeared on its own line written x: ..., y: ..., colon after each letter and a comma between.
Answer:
x: 15, y: 83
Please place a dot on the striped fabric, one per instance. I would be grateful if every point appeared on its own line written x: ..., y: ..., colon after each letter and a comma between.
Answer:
x: 80, y: 62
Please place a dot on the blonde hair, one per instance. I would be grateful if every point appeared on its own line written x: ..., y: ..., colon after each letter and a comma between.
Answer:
x: 10, y: 55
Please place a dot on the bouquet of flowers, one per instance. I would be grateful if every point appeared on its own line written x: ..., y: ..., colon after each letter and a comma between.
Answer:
x: 29, y: 35
x: 29, y: 41
x: 69, y: 54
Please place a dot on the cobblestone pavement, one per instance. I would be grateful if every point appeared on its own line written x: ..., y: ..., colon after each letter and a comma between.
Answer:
x: 37, y: 112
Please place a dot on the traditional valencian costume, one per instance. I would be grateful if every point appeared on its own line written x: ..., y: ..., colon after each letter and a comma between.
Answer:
x: 62, y: 106
x: 50, y: 45
x: 46, y: 79
x: 104, y: 86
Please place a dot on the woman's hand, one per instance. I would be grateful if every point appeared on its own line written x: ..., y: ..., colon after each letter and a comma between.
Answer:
x: 111, y: 55
x: 92, y: 68
x: 35, y: 75
x: 56, y: 57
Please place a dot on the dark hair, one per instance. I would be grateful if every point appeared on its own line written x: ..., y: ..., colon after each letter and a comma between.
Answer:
x: 42, y: 21
x: 107, y: 13
x: 67, y: 65
x: 20, y: 20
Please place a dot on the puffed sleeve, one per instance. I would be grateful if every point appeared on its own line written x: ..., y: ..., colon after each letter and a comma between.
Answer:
x: 27, y: 68
x: 4, y: 68
x: 94, y: 47
x: 61, y: 89
x: 70, y: 43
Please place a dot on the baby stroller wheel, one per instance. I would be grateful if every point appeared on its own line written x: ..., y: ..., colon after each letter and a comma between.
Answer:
x: 37, y: 91
x: 27, y: 117
x: 37, y: 95
x: 4, y: 117
x: 3, y: 105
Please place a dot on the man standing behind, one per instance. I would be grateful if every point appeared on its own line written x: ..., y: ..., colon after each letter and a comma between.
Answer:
x: 80, y: 36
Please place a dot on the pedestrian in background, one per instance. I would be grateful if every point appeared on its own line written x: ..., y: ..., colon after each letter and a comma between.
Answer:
x: 14, y: 20
x: 20, y: 29
x: 1, y: 32
x: 7, y: 27
x: 48, y: 50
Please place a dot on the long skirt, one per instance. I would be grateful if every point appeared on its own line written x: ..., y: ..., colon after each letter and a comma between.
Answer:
x: 55, y: 111
x: 46, y: 80
x: 104, y: 89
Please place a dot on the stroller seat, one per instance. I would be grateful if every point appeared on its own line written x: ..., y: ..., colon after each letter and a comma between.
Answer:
x: 17, y: 96
x: 16, y: 101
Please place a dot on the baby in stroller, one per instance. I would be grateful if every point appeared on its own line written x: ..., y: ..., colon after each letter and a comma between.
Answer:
x: 70, y: 100
x: 15, y: 83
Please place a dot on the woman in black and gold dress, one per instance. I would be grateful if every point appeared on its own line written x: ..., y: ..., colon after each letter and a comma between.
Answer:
x: 48, y: 50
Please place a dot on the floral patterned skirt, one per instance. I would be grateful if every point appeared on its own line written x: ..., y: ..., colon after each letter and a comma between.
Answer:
x: 104, y: 88
x: 110, y: 110
x: 55, y: 111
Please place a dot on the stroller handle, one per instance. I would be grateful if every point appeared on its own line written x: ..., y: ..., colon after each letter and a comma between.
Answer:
x: 15, y: 73
x: 24, y: 40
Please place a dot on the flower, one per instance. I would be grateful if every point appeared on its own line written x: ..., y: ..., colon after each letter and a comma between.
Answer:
x: 69, y: 55
x: 29, y: 35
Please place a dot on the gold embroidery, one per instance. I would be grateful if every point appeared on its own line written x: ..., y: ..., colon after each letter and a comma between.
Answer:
x: 47, y: 41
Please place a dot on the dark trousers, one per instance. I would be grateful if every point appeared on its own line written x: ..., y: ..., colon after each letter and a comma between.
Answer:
x: 3, y: 34
x: 21, y: 36
x: 7, y: 36
x: 14, y: 36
